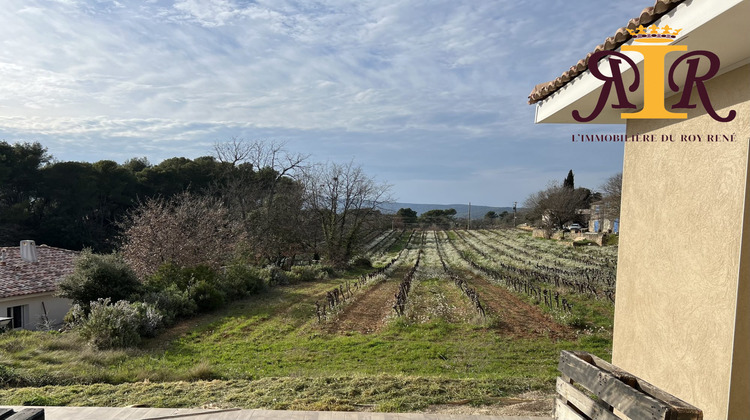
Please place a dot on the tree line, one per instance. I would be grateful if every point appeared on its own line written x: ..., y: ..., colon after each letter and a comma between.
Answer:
x: 250, y: 198
x: 406, y: 218
x: 431, y: 219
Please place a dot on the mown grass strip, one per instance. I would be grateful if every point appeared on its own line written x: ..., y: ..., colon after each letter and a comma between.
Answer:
x: 346, y: 393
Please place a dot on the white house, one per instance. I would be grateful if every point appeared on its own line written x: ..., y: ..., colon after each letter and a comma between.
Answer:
x: 28, y: 284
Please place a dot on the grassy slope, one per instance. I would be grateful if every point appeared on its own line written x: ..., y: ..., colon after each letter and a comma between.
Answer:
x: 268, y: 351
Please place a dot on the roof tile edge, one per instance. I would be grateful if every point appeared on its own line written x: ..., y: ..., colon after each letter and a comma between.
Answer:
x: 647, y: 16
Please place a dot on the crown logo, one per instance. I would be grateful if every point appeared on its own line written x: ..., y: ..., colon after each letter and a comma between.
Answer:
x: 654, y: 35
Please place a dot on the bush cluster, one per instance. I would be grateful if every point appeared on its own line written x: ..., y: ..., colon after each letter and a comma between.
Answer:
x: 120, y: 324
x: 120, y: 315
x: 172, y: 302
x: 100, y: 276
x: 204, y: 289
x: 170, y: 294
x: 307, y: 273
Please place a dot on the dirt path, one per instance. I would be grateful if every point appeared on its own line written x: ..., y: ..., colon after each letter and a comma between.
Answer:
x: 368, y: 311
x: 516, y: 317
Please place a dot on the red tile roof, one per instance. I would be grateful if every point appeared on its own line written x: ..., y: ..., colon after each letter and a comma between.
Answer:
x: 19, y: 278
x: 648, y: 15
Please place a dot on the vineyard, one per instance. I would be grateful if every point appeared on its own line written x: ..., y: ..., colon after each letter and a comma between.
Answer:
x: 474, y: 318
x: 498, y: 278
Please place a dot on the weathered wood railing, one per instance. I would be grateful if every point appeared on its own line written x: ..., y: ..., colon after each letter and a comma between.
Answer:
x: 25, y: 414
x: 616, y: 394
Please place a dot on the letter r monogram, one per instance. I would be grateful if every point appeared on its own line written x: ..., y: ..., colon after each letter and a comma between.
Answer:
x: 616, y: 78
x: 653, y: 82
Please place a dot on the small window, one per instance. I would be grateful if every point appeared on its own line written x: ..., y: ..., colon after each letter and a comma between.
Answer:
x: 18, y: 313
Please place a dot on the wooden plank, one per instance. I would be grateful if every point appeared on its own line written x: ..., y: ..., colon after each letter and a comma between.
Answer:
x: 28, y: 414
x: 682, y: 409
x: 563, y: 412
x: 96, y: 413
x: 223, y: 415
x: 5, y: 413
x: 613, y: 391
x: 596, y: 410
x: 177, y: 414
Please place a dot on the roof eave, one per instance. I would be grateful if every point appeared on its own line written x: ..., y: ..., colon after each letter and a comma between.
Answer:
x: 582, y: 92
x: 48, y: 293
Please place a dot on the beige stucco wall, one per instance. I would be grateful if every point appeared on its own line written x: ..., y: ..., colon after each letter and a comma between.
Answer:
x: 56, y: 308
x: 684, y: 254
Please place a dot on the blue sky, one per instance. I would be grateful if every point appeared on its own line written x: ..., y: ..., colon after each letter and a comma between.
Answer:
x: 429, y: 96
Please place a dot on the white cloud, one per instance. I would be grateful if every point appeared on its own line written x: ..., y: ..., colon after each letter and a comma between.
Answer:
x: 186, y: 69
x: 353, y: 67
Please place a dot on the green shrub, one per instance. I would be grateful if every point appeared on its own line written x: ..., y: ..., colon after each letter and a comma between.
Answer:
x: 362, y: 262
x: 328, y: 270
x: 173, y: 303
x: 206, y: 295
x: 121, y: 324
x: 150, y: 318
x: 112, y: 325
x: 232, y: 285
x: 100, y: 277
x: 307, y: 273
x: 201, y: 282
x: 165, y: 276
x: 275, y: 276
x: 76, y: 316
x: 240, y: 280
x: 183, y: 278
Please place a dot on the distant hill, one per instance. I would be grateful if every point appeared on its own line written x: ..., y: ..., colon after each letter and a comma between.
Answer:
x: 462, y: 210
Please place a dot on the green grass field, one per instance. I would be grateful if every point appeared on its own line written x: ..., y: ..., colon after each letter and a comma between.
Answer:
x: 270, y: 351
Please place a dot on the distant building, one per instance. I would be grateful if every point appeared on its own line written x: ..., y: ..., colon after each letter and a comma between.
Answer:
x: 29, y: 278
x: 599, y: 220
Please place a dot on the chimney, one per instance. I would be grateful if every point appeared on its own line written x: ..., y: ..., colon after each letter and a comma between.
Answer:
x: 28, y: 251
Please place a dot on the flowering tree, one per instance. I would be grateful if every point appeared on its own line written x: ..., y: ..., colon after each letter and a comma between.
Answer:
x: 186, y: 230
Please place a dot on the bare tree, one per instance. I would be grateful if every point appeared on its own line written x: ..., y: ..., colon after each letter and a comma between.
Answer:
x: 557, y: 205
x: 261, y: 154
x: 345, y: 201
x: 235, y: 151
x: 186, y: 230
x: 612, y: 195
x: 263, y: 192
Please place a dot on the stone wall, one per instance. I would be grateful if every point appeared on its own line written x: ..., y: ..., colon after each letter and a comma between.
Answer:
x: 539, y: 233
x: 597, y: 238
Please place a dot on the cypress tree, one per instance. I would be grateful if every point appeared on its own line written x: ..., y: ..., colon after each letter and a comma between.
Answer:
x: 568, y: 183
